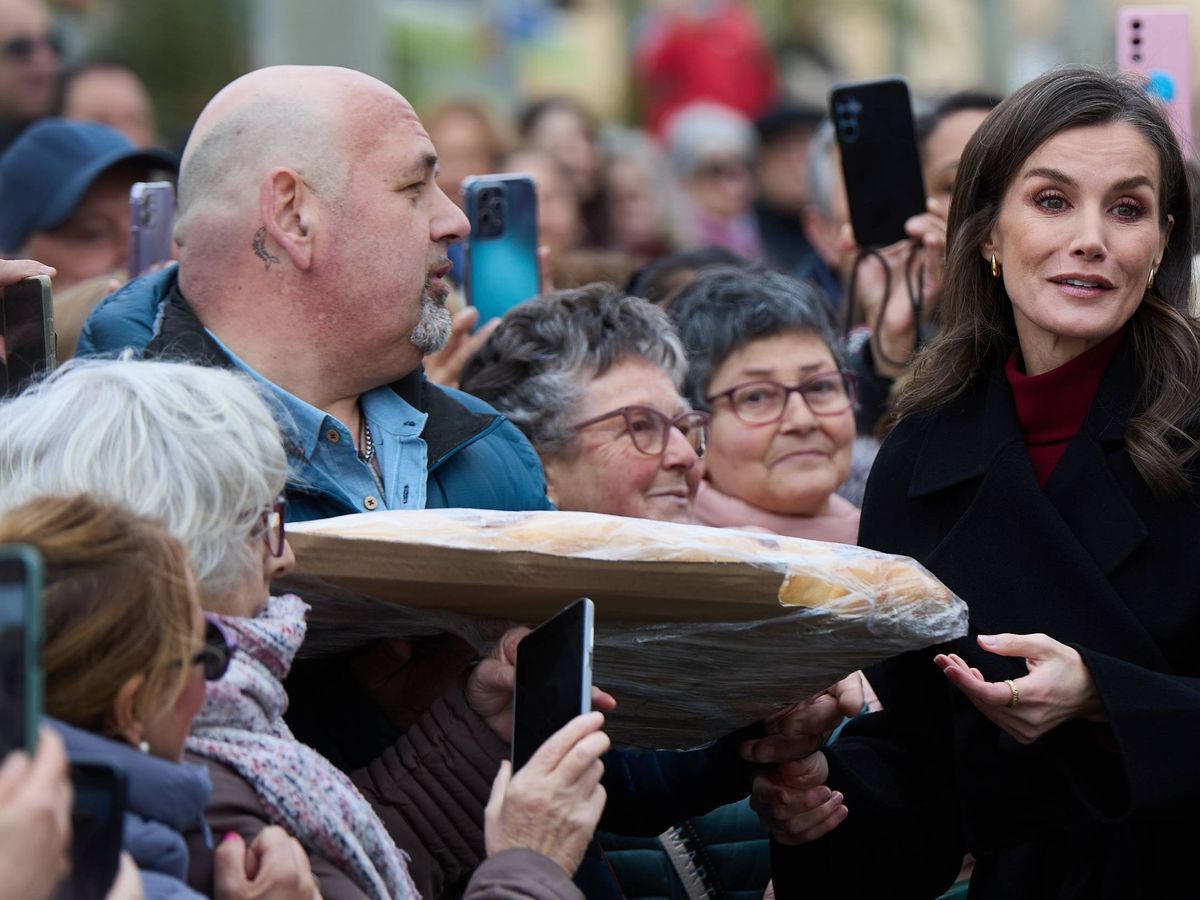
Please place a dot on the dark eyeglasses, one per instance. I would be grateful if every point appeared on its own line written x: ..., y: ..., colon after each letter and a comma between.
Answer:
x: 763, y: 402
x: 650, y: 430
x: 219, y: 645
x: 272, y: 528
x: 21, y: 49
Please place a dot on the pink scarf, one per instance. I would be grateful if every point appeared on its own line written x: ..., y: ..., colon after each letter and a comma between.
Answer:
x: 241, y: 725
x: 839, y: 524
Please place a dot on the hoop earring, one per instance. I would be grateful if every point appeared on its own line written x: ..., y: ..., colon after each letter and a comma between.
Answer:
x: 996, y: 267
x: 1150, y: 280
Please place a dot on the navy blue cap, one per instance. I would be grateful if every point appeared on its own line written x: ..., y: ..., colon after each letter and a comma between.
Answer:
x: 46, y: 171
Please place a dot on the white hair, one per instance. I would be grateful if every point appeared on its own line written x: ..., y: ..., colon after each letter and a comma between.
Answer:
x: 196, y: 448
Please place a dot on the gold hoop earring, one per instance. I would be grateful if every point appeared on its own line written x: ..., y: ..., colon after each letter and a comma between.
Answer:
x: 1150, y: 280
x: 995, y: 267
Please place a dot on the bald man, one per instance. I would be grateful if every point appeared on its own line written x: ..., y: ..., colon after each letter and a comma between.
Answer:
x: 312, y: 256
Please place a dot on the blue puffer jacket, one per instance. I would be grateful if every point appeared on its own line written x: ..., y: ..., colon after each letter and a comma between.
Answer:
x: 163, y: 799
x: 477, y: 458
x: 129, y: 317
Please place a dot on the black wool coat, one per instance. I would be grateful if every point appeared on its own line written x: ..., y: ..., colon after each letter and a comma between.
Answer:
x: 1094, y: 560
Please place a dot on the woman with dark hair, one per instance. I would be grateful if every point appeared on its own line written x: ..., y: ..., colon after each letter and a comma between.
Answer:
x: 1044, y: 468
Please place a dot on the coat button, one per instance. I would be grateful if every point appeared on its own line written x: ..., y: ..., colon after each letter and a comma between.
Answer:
x: 332, y: 436
x: 370, y: 502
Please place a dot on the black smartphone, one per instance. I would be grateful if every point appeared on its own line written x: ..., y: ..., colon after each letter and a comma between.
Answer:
x: 502, y: 263
x: 97, y: 821
x: 152, y: 216
x: 27, y: 339
x: 881, y: 165
x: 20, y: 647
x: 554, y: 678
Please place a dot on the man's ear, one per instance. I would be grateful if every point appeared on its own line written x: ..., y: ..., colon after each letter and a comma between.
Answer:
x: 122, y: 714
x: 288, y: 210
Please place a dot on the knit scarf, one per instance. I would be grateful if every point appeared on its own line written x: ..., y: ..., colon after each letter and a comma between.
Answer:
x: 839, y: 524
x: 241, y: 725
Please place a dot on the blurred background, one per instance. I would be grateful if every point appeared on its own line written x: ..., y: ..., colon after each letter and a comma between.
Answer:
x: 508, y: 51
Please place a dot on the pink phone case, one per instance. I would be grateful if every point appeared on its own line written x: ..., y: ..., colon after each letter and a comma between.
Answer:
x: 1156, y: 43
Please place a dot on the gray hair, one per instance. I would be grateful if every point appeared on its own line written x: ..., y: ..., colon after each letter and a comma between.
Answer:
x: 822, y: 168
x: 726, y: 308
x: 535, y: 368
x: 701, y: 131
x: 195, y: 448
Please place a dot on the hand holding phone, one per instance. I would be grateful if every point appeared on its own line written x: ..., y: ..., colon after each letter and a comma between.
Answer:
x: 502, y: 261
x: 35, y: 820
x: 881, y: 165
x: 20, y: 647
x: 28, y: 344
x: 97, y: 823
x: 554, y: 678
x: 151, y: 219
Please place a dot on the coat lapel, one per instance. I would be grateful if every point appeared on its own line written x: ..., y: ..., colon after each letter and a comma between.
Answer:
x: 1068, y: 538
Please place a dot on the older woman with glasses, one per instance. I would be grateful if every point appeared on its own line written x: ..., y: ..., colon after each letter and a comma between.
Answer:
x: 764, y: 357
x: 127, y: 696
x: 592, y: 377
x: 199, y: 449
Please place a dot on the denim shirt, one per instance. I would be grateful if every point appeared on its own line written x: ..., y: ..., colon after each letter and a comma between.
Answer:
x: 324, y: 454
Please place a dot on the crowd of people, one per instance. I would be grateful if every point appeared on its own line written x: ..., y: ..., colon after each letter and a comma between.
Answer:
x: 712, y: 346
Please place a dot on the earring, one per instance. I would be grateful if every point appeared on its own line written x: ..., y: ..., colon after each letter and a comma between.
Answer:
x: 995, y: 267
x: 144, y: 746
x: 1150, y: 280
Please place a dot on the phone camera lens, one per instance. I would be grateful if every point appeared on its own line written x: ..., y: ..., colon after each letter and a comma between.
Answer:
x: 1136, y: 41
x: 1137, y: 57
x: 1136, y: 24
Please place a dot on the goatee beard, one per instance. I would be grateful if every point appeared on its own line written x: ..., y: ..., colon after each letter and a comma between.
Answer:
x: 433, y: 328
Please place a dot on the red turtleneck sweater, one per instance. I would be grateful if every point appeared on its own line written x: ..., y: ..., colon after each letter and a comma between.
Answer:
x: 1051, y: 407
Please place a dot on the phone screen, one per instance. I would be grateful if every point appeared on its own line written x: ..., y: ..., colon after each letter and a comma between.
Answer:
x: 28, y: 328
x: 97, y: 818
x: 19, y: 602
x: 554, y: 678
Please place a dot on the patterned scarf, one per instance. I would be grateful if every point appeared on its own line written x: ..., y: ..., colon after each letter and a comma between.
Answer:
x: 241, y: 725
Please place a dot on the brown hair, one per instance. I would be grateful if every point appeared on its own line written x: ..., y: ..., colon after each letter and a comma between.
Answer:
x: 117, y: 603
x: 977, y: 326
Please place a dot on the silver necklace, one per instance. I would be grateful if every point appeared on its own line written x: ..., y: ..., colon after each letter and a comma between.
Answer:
x: 367, y: 453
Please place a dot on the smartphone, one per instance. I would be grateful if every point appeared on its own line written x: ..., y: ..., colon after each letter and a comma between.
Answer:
x: 28, y: 345
x: 97, y: 821
x: 151, y: 218
x: 502, y: 263
x: 881, y: 165
x: 20, y: 647
x: 554, y: 678
x: 1155, y: 42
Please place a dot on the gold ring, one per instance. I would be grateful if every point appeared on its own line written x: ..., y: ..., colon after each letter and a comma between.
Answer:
x: 1016, y: 694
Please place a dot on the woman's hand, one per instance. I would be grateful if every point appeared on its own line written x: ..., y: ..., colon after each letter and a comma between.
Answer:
x: 553, y: 804
x: 1057, y: 689
x: 273, y: 867
x: 35, y: 820
x: 128, y: 884
x: 445, y: 366
x: 892, y: 342
x: 490, y: 686
x: 793, y: 802
x: 797, y: 731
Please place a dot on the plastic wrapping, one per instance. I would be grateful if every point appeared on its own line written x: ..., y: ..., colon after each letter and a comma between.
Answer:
x: 698, y: 630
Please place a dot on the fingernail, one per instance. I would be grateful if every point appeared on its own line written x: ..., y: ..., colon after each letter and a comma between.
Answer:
x: 229, y: 836
x: 987, y: 639
x: 838, y: 797
x: 45, y: 270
